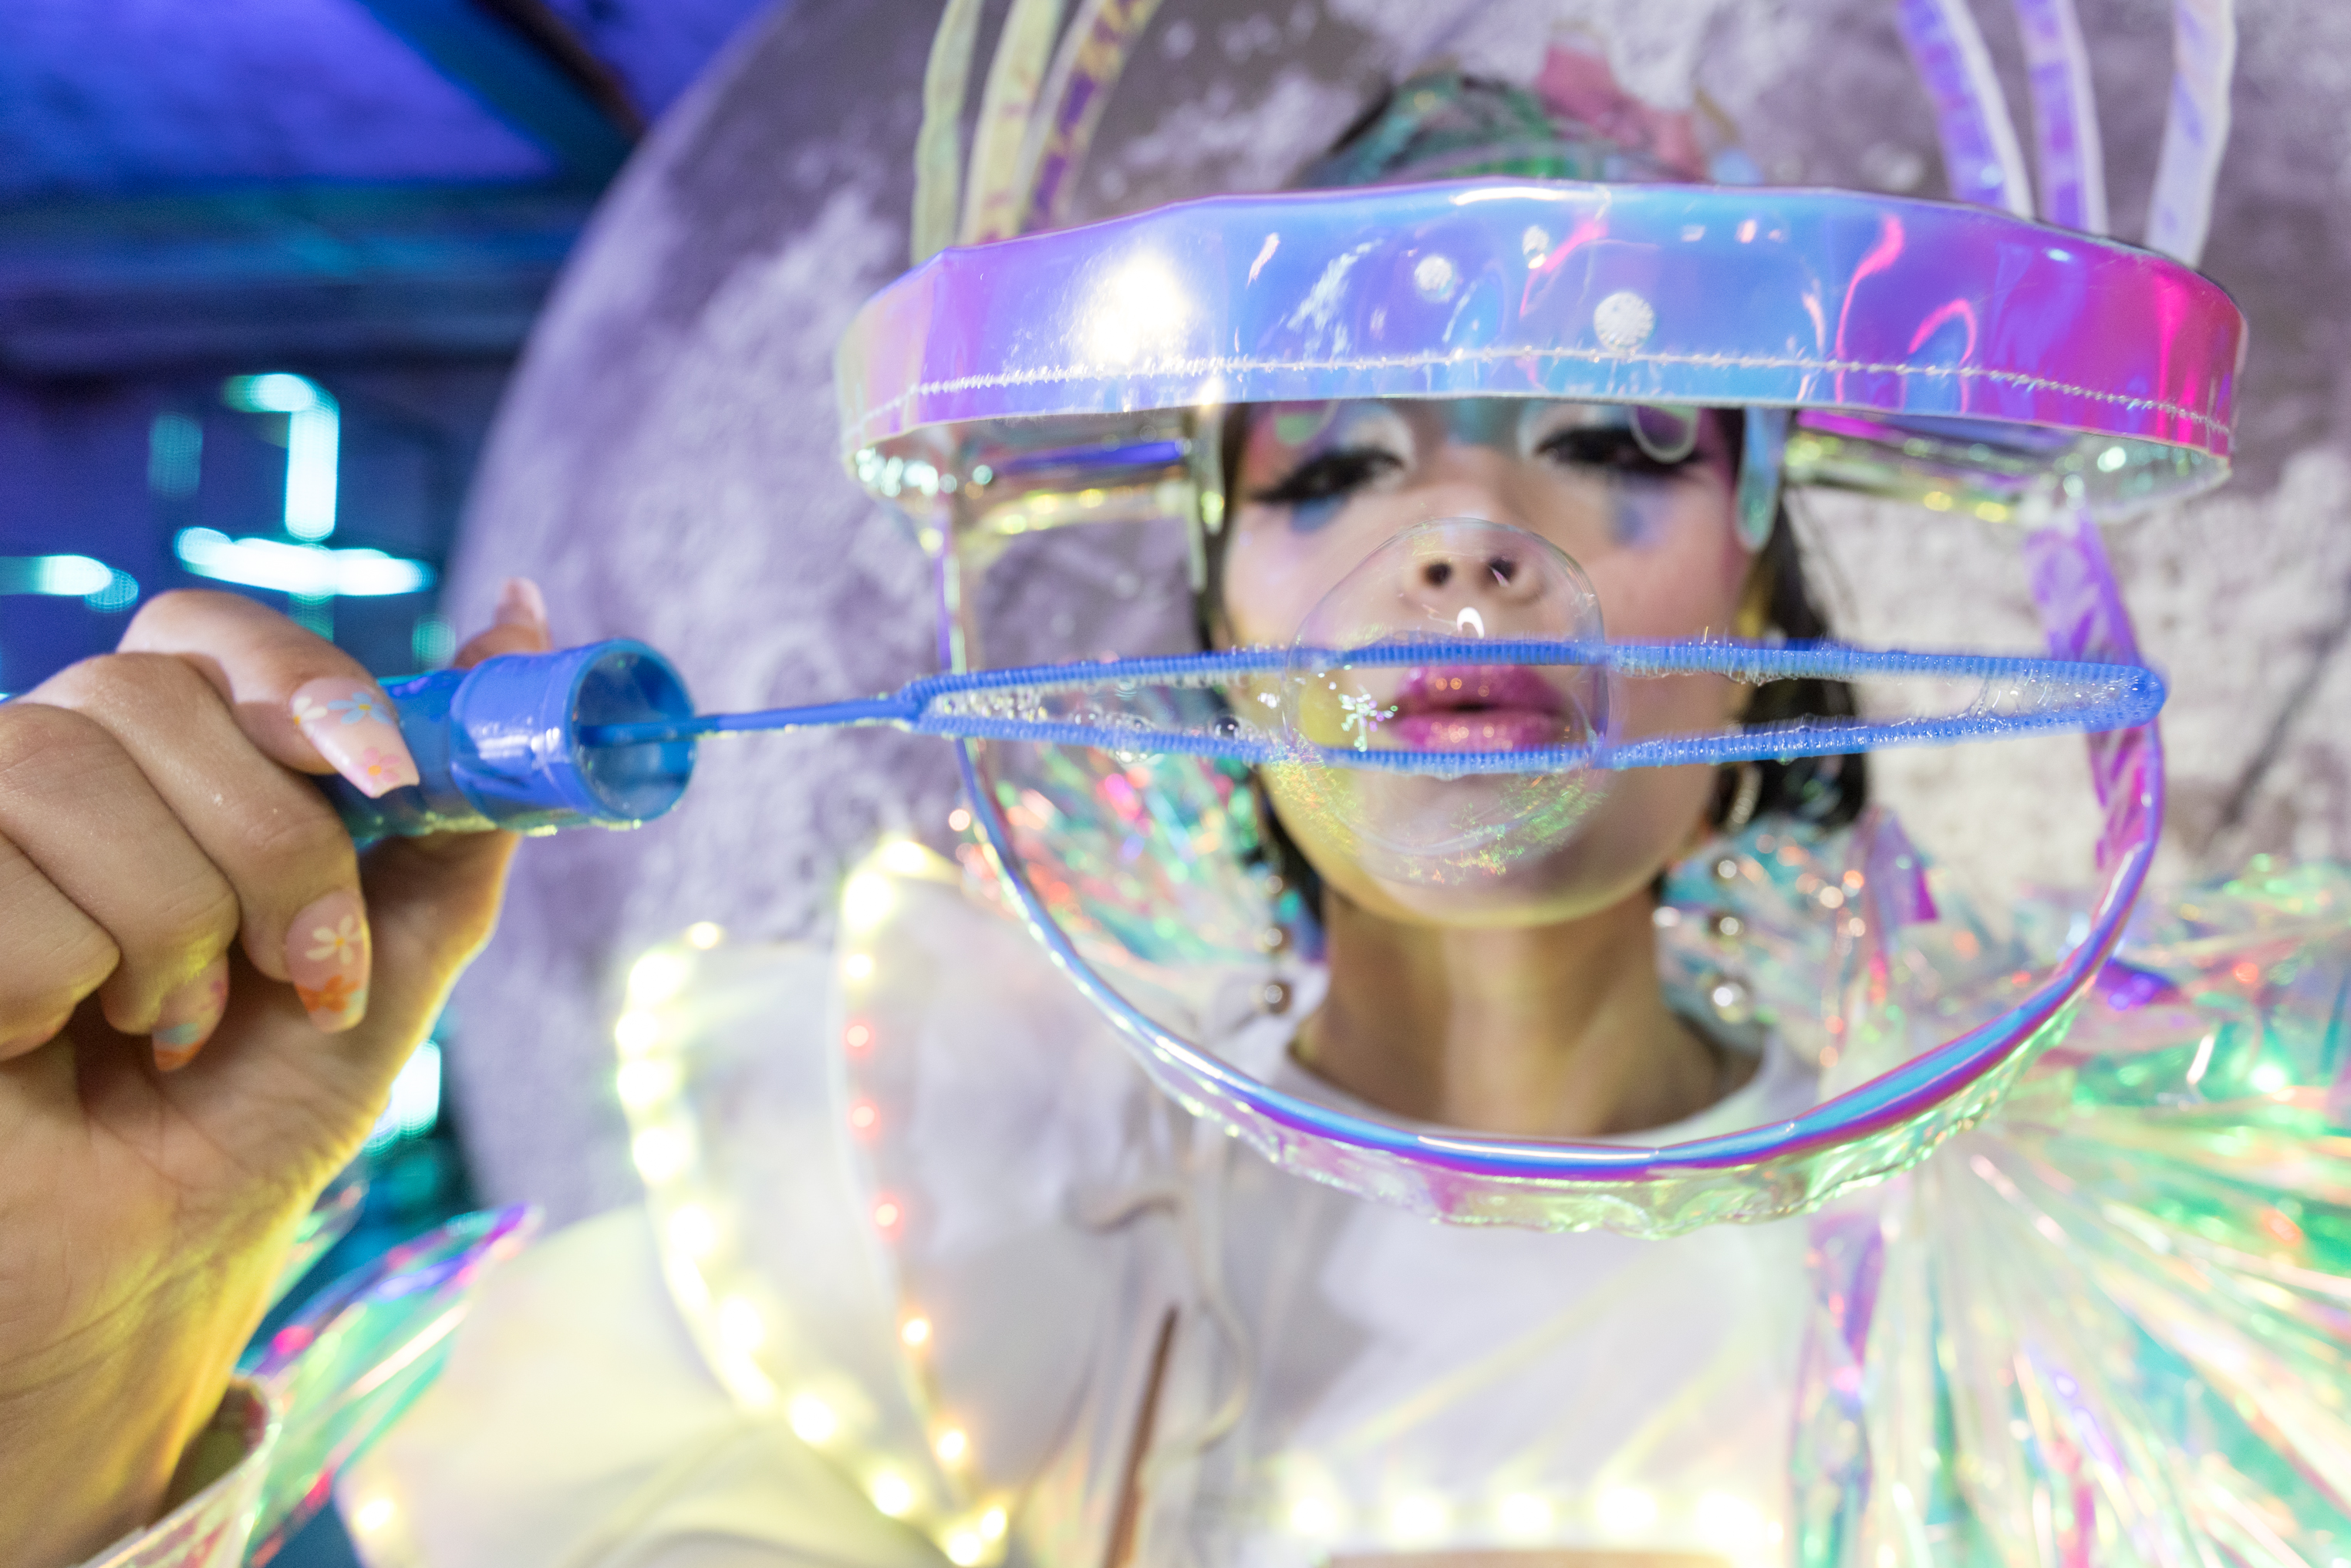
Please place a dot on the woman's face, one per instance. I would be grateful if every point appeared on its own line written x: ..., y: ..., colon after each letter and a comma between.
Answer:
x: 1323, y: 485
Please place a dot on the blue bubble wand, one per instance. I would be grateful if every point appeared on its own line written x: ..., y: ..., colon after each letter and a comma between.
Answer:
x: 605, y: 734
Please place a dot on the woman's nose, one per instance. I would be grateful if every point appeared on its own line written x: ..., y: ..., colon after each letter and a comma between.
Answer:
x: 1489, y: 569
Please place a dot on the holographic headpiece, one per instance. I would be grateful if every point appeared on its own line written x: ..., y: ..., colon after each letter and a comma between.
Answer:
x: 1961, y: 358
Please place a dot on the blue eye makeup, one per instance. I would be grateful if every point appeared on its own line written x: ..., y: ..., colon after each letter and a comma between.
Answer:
x: 1351, y: 448
x: 1354, y: 449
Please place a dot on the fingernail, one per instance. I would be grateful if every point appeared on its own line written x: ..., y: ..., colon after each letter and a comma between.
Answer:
x: 351, y: 723
x: 189, y: 1016
x: 327, y: 954
x: 520, y: 604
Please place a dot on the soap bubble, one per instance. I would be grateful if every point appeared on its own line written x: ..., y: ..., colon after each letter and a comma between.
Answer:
x: 1447, y: 583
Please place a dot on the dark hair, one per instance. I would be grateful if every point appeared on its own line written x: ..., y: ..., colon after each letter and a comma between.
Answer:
x: 1826, y: 792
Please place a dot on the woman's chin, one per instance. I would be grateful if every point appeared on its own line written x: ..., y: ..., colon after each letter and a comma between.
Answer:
x: 1571, y: 880
x: 1620, y: 839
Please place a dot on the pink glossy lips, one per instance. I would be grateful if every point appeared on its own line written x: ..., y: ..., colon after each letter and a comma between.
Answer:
x: 1478, y: 708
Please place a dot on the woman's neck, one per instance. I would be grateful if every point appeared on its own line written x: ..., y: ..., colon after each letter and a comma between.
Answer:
x: 1544, y: 1031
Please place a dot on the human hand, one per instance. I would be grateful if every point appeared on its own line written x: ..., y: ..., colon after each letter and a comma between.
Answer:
x: 205, y: 996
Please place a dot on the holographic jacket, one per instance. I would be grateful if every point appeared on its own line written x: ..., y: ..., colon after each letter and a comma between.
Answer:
x: 927, y: 1272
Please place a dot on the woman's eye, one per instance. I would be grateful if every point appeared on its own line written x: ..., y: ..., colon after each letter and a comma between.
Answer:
x: 1331, y: 476
x: 1610, y: 449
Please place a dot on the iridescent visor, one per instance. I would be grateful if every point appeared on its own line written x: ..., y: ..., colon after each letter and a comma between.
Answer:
x: 1958, y: 358
x: 1949, y: 354
x: 1254, y: 706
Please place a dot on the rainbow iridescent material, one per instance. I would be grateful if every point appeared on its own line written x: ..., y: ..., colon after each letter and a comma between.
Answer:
x: 311, y: 1399
x: 2109, y: 1326
x: 1956, y: 356
x: 1824, y: 301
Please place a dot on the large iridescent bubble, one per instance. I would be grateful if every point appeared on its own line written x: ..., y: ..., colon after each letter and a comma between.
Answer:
x: 1443, y: 584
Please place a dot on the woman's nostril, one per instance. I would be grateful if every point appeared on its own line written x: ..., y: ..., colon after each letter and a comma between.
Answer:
x: 1504, y: 569
x: 1437, y: 573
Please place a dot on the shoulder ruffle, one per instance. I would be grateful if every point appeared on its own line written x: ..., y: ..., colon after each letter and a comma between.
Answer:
x: 2110, y: 1324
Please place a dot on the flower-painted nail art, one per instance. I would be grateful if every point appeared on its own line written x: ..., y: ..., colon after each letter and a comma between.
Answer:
x: 327, y: 956
x: 189, y: 1016
x: 353, y: 727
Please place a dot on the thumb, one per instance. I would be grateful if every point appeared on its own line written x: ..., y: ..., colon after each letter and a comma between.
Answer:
x: 518, y: 626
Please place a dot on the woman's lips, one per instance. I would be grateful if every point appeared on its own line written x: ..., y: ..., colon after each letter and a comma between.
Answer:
x: 1478, y: 708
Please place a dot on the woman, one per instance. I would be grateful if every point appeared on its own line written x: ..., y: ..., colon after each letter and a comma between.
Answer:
x: 1141, y: 1345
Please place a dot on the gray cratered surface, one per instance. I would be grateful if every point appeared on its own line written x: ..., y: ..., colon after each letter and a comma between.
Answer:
x: 666, y: 465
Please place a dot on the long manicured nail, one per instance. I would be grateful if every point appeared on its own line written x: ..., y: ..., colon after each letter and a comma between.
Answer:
x: 190, y: 1015
x: 520, y: 604
x: 351, y: 726
x: 327, y: 956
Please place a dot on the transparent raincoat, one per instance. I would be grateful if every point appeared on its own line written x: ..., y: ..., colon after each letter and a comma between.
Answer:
x: 1014, y: 1229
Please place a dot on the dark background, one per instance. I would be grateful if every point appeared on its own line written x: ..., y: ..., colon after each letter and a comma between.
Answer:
x: 373, y: 194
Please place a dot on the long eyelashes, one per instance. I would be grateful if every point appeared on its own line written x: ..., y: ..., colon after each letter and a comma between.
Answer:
x: 1615, y: 451
x: 1316, y: 487
x: 1331, y: 473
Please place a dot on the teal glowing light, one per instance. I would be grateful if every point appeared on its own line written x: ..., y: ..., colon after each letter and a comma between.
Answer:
x: 81, y: 577
x: 313, y: 443
x: 175, y: 451
x: 414, y: 1106
x: 305, y: 571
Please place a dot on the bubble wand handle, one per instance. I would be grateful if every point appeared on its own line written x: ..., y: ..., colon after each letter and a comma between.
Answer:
x: 501, y: 745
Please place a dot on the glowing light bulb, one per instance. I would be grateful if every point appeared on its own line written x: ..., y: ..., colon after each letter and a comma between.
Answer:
x: 693, y: 1232
x: 658, y: 976
x: 660, y: 1153
x: 857, y: 967
x: 705, y: 934
x: 952, y: 1446
x: 374, y: 1515
x: 1313, y: 1516
x: 905, y: 857
x: 813, y: 1421
x: 740, y: 1325
x: 915, y: 1332
x: 891, y: 1494
x: 637, y: 1032
x: 643, y: 1083
x: 866, y: 900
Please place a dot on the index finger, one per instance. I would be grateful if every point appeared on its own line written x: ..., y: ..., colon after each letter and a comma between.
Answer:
x: 302, y: 701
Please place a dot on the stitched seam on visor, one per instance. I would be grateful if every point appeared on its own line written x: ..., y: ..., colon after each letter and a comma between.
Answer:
x: 1587, y: 356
